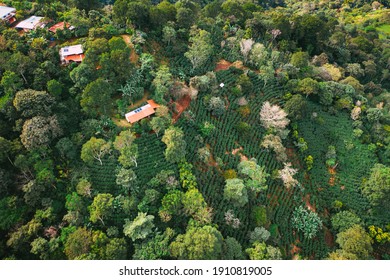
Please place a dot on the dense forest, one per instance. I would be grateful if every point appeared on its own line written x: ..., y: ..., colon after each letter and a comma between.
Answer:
x: 268, y: 135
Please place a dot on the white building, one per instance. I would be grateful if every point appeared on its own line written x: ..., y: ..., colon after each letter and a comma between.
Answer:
x: 7, y: 14
x: 31, y: 23
x: 72, y: 54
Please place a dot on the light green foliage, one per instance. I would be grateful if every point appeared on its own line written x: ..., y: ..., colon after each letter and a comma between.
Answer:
x: 124, y: 143
x: 11, y: 82
x: 235, y: 191
x: 355, y: 241
x: 200, y: 49
x: 258, y: 251
x: 344, y: 220
x: 172, y: 202
x: 176, y: 146
x: 198, y: 243
x: 256, y: 175
x: 300, y: 60
x: 306, y: 221
x: 377, y: 189
x: 126, y: 178
x: 95, y: 149
x: 84, y: 188
x: 308, y: 86
x: 140, y: 227
x: 193, y: 201
x: 101, y: 207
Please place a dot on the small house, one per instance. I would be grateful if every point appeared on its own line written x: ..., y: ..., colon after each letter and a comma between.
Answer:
x: 60, y: 26
x: 7, y: 14
x: 31, y: 23
x: 142, y: 112
x: 72, y: 54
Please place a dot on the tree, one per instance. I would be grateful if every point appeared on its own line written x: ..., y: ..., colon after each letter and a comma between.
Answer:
x: 306, y: 221
x: 256, y: 174
x: 155, y: 249
x: 140, y: 227
x: 78, y: 243
x: 235, y: 191
x: 308, y: 86
x: 169, y: 34
x: 101, y: 207
x: 258, y: 251
x: 159, y: 124
x: 126, y: 178
x: 31, y: 103
x: 193, y: 201
x: 377, y: 190
x: 124, y: 143
x: 296, y: 107
x: 273, y: 117
x: 355, y: 241
x: 300, y: 60
x: 11, y: 82
x: 96, y: 98
x: 84, y: 188
x: 95, y: 149
x: 201, y: 48
x: 232, y: 249
x: 116, y: 249
x: 344, y: 220
x: 259, y: 234
x: 40, y: 131
x: 286, y: 174
x: 216, y: 106
x: 274, y: 142
x: 176, y: 146
x: 198, y: 243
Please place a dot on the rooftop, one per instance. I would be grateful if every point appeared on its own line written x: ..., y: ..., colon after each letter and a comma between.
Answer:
x: 5, y: 11
x: 71, y: 50
x: 142, y: 112
x: 61, y: 26
x: 30, y: 23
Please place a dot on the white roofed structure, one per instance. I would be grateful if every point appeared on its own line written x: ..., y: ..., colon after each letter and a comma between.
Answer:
x: 31, y: 23
x: 72, y: 54
x: 7, y: 14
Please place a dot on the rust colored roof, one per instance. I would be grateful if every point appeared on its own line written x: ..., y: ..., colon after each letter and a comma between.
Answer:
x: 75, y: 57
x: 60, y: 25
x: 153, y: 104
x: 140, y: 113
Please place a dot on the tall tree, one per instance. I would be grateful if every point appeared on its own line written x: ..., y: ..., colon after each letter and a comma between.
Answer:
x: 201, y: 48
x: 96, y: 98
x: 101, y: 207
x: 95, y: 149
x: 176, y: 146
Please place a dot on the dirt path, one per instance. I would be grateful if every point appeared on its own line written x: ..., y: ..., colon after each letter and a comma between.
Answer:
x: 133, y: 56
x: 224, y: 65
x: 181, y: 105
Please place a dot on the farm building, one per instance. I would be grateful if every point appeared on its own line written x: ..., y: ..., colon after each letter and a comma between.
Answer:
x: 7, y: 14
x: 60, y: 26
x: 142, y: 112
x: 72, y: 54
x: 31, y: 23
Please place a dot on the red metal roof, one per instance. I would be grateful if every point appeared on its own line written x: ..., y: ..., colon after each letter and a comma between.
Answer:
x: 60, y: 25
x: 74, y: 58
x: 153, y: 104
x: 145, y: 112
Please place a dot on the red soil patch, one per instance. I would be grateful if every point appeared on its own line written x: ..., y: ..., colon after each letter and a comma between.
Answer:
x: 295, y: 250
x: 238, y: 150
x: 332, y: 172
x: 329, y: 239
x: 181, y: 105
x: 222, y: 65
x: 308, y: 205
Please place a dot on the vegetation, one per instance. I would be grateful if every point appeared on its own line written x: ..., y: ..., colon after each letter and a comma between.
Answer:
x: 271, y: 137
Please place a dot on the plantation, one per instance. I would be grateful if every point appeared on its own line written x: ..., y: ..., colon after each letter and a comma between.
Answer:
x: 195, y: 130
